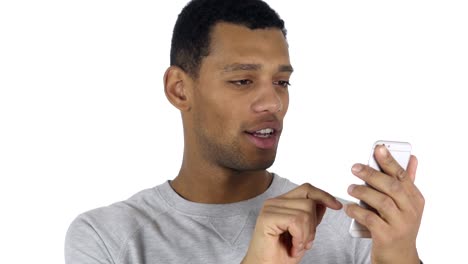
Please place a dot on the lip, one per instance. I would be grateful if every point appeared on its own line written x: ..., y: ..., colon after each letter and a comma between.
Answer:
x: 270, y: 142
x: 269, y: 124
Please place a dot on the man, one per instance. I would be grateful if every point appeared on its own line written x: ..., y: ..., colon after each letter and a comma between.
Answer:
x: 229, y: 78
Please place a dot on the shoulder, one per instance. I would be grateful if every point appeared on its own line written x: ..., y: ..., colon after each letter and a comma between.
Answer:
x: 127, y: 214
x: 101, y: 233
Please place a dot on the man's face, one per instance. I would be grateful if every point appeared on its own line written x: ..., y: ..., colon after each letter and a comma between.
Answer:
x: 241, y: 97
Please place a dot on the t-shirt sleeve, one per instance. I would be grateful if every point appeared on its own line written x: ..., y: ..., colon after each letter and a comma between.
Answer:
x: 83, y: 244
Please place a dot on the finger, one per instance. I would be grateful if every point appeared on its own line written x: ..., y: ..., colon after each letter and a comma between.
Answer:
x: 388, y: 164
x: 303, y: 204
x: 299, y: 224
x: 411, y: 188
x: 382, y: 203
x: 306, y: 205
x: 308, y: 191
x: 390, y: 186
x: 309, y: 245
x: 275, y: 226
x: 320, y: 212
x: 412, y: 167
x: 366, y: 218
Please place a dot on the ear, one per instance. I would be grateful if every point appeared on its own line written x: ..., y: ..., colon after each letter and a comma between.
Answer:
x: 177, y: 87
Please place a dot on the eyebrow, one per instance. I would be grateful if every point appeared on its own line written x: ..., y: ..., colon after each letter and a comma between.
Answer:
x: 285, y: 68
x: 253, y: 67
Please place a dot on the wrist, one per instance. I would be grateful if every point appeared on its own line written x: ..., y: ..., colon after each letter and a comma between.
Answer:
x: 400, y: 258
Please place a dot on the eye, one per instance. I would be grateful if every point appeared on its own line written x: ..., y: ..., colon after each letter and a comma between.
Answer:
x: 241, y: 82
x: 282, y: 83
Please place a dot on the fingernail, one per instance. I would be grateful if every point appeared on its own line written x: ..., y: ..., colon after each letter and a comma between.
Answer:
x: 383, y: 151
x: 356, y: 168
x: 351, y: 188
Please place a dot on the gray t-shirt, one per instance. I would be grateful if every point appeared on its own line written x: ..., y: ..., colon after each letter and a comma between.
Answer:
x: 158, y: 226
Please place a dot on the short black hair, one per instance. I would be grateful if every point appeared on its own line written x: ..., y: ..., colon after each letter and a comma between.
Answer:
x: 192, y: 30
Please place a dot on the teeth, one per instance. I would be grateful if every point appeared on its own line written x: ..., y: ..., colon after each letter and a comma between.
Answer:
x: 265, y: 131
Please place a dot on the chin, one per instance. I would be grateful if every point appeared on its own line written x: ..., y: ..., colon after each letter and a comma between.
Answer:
x: 262, y: 164
x: 247, y: 164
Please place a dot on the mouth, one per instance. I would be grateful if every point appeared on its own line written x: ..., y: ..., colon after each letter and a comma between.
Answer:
x: 265, y: 136
x: 263, y: 133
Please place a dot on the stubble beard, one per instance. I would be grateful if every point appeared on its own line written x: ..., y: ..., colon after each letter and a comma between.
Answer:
x: 229, y: 154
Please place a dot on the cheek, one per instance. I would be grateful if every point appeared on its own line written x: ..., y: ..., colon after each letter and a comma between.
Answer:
x: 217, y: 114
x: 285, y: 102
x: 227, y: 117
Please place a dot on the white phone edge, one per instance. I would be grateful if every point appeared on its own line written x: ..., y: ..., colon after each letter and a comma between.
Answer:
x: 401, y: 151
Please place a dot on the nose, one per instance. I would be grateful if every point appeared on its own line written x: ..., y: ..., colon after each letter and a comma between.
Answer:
x: 267, y: 100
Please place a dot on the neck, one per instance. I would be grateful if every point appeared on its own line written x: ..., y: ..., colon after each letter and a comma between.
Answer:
x: 219, y: 185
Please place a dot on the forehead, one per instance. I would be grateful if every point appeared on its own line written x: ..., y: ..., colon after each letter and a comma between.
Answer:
x: 236, y: 43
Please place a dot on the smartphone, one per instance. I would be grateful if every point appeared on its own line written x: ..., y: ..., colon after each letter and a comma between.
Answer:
x: 401, y: 152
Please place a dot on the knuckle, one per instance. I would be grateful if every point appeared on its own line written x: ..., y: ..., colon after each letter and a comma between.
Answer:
x: 419, y: 206
x: 367, y: 173
x: 419, y: 195
x: 370, y: 219
x: 371, y: 172
x: 419, y: 199
x: 400, y: 173
x: 311, y: 235
x: 389, y: 160
x: 307, y: 186
x: 387, y: 203
x: 422, y: 200
x: 396, y: 186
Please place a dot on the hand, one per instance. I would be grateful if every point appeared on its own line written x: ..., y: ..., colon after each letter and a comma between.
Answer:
x: 286, y: 225
x: 399, y: 204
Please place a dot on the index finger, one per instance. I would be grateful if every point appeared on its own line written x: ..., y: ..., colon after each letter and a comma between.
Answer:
x: 307, y: 191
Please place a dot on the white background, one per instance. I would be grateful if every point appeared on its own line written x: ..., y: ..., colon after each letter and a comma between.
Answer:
x: 84, y: 121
